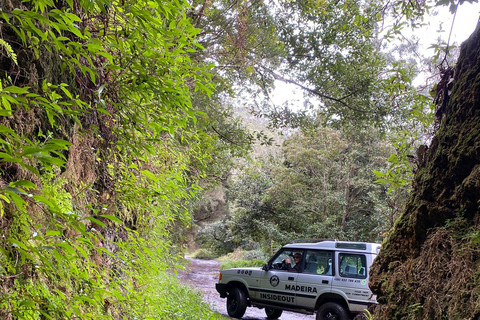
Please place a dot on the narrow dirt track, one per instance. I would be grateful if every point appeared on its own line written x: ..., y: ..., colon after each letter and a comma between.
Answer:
x: 203, y: 274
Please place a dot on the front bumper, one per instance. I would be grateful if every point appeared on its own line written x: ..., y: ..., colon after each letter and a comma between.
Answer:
x: 222, y: 289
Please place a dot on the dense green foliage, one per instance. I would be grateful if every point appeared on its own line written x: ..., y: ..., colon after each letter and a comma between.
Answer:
x: 116, y: 120
x: 99, y: 149
x: 343, y: 178
x: 352, y: 79
x: 321, y: 186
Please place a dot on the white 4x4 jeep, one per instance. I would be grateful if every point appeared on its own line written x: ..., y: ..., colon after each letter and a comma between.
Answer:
x: 330, y: 278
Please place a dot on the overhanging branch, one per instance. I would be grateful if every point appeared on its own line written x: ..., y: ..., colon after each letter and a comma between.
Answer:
x: 312, y: 91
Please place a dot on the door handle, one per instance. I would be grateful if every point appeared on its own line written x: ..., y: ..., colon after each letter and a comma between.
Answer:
x: 291, y: 278
x: 325, y: 281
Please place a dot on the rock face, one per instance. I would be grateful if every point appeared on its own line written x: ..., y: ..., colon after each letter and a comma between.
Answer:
x: 429, y: 267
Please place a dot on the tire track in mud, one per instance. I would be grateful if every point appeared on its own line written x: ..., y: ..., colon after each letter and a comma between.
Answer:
x: 203, y: 274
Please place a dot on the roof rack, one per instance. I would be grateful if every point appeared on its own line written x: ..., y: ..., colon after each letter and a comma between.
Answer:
x: 312, y: 240
x: 350, y: 245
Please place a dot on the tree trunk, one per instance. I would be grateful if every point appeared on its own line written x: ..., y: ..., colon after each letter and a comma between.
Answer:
x: 429, y: 267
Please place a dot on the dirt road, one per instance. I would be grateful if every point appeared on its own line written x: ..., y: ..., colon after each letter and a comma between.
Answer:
x: 203, y: 274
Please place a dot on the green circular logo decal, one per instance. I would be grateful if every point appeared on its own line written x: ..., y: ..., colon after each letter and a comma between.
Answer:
x: 364, y: 282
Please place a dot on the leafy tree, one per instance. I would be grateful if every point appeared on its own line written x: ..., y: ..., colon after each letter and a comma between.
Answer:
x: 330, y: 50
x: 326, y: 187
x: 246, y: 224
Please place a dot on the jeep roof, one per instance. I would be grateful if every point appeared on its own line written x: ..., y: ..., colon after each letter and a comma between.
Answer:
x: 365, y: 247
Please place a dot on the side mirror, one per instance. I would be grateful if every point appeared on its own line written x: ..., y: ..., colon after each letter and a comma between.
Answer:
x: 266, y: 267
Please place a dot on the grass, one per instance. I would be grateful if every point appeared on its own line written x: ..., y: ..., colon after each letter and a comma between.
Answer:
x: 172, y: 300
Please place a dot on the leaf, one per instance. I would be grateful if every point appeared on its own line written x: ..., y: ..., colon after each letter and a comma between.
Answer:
x: 87, y: 299
x: 59, y: 257
x: 101, y: 110
x: 31, y: 151
x: 111, y: 217
x: 42, y: 199
x: 103, y: 249
x: 73, y: 17
x: 5, y: 198
x: 6, y: 104
x: 50, y: 233
x: 51, y: 160
x: 378, y: 173
x: 31, y: 169
x: 27, y: 303
x: 82, y: 252
x: 45, y: 314
x: 17, y: 243
x: 72, y: 28
x: 59, y: 142
x: 4, y: 129
x: 17, y: 90
x: 19, y: 202
x: 8, y: 158
x: 106, y: 55
x: 67, y: 93
x: 67, y: 247
x: 100, y: 223
x: 23, y: 183
x: 443, y: 2
x: 149, y: 174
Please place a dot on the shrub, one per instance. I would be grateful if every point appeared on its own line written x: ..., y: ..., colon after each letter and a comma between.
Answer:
x: 242, y: 263
x: 240, y: 258
x: 204, y: 254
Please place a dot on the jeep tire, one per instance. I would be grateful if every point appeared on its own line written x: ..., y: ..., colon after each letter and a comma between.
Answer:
x: 332, y: 311
x: 273, y: 313
x: 236, y: 302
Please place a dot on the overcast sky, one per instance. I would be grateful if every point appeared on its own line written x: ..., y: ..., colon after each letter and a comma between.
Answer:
x: 465, y: 22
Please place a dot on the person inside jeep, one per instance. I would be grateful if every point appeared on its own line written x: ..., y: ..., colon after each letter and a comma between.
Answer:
x: 297, y: 257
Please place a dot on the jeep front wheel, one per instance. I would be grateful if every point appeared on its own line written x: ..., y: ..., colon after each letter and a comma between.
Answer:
x: 236, y: 303
x: 332, y: 311
x: 273, y: 313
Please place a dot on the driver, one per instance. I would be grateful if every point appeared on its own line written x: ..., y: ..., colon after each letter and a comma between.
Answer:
x: 297, y: 257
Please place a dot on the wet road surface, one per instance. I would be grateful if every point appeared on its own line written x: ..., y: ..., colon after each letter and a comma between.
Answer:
x: 203, y: 274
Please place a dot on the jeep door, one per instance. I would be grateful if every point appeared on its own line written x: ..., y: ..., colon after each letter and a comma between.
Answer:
x: 276, y: 284
x: 352, y: 280
x: 316, y: 278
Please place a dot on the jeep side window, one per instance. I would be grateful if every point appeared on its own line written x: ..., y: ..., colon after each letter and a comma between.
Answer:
x: 285, y: 260
x: 318, y: 262
x: 353, y: 265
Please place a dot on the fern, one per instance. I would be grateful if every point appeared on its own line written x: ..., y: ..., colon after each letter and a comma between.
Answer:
x: 10, y: 53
